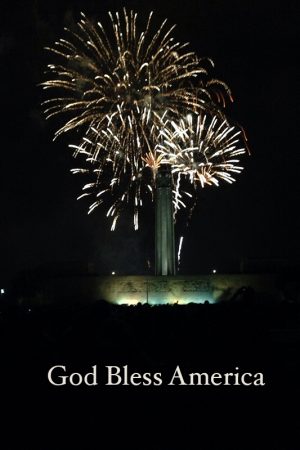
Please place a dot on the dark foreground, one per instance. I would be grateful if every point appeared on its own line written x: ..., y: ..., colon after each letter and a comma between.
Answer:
x: 249, y: 334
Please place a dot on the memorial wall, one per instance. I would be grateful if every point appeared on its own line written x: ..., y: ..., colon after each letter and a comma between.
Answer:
x: 156, y: 289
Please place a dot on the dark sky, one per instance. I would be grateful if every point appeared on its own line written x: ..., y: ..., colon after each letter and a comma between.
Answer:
x: 254, y: 47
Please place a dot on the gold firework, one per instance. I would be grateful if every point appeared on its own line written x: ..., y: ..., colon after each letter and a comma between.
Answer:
x: 119, y: 88
x: 201, y: 150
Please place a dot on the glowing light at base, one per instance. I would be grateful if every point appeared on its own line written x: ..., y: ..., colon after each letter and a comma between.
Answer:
x: 160, y: 290
x: 164, y: 301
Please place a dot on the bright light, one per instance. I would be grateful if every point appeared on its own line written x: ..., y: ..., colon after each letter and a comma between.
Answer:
x: 179, y: 250
x: 2, y: 291
x: 113, y: 273
x: 214, y: 271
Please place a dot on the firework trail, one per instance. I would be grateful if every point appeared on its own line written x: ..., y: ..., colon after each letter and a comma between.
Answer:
x: 119, y: 87
x: 179, y: 250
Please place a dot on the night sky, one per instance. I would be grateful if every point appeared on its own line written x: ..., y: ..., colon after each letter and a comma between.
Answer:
x: 254, y: 47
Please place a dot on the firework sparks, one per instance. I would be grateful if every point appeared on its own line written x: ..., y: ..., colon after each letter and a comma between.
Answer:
x: 201, y: 150
x: 179, y: 249
x: 119, y: 87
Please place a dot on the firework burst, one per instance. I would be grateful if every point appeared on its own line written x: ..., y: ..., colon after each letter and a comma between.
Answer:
x: 125, y: 78
x: 120, y: 87
x: 201, y: 150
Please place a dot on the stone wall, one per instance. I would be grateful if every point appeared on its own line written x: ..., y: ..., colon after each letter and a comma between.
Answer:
x: 157, y: 290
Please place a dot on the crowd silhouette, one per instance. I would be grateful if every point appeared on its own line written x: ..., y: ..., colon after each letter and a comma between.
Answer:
x: 249, y: 331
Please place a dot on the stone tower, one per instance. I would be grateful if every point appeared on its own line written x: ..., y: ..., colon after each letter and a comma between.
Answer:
x: 164, y: 224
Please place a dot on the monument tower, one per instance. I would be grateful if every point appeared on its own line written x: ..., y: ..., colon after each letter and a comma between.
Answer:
x: 164, y: 223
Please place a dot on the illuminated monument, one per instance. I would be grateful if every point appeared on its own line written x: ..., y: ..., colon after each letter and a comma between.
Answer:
x: 149, y: 118
x: 164, y: 224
